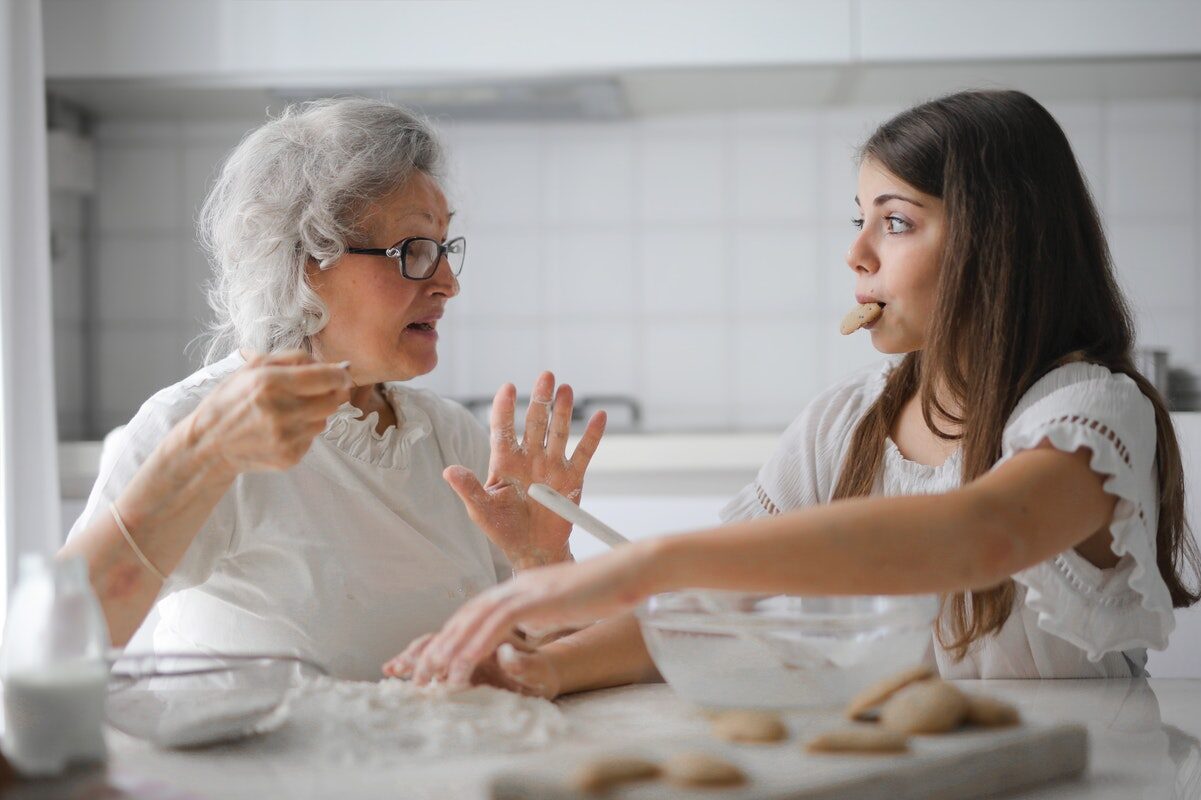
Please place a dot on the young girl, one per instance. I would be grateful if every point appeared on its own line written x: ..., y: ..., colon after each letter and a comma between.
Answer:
x: 1008, y: 456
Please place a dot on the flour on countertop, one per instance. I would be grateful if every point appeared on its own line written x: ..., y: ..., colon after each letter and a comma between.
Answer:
x: 360, y: 722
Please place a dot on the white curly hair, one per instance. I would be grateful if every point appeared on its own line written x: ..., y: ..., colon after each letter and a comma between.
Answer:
x: 293, y: 189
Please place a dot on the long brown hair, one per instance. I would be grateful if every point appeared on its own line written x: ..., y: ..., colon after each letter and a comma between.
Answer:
x: 1026, y: 282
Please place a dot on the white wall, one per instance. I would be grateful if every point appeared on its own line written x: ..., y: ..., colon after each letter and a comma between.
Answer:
x: 692, y: 262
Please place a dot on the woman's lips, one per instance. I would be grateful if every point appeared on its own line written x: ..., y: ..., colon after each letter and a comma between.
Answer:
x: 424, y: 330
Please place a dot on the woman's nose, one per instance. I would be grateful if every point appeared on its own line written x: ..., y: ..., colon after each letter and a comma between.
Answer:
x: 860, y: 257
x: 444, y: 281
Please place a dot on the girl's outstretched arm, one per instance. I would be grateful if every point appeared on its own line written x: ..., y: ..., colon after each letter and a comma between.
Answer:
x: 1039, y: 503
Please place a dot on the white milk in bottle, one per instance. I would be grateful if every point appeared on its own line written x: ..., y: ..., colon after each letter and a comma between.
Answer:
x: 53, y: 666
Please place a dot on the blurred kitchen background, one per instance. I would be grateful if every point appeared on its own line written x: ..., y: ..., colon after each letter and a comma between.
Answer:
x: 668, y: 225
x: 656, y: 194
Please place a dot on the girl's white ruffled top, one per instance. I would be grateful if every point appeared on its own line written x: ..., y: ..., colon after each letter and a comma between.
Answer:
x: 1070, y: 619
x: 344, y: 558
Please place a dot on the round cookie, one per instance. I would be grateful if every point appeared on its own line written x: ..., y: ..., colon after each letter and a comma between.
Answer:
x: 602, y: 774
x: 878, y: 692
x: 860, y: 315
x: 988, y: 712
x: 859, y: 739
x: 701, y: 769
x: 925, y: 707
x: 749, y: 726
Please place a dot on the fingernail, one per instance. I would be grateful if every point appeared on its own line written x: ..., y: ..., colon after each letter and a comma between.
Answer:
x: 459, y: 676
x: 507, y: 654
x: 343, y: 364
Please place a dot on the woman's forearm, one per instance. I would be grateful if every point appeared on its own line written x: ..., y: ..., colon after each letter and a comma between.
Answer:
x: 893, y: 545
x: 1037, y: 504
x: 163, y: 506
x: 609, y: 653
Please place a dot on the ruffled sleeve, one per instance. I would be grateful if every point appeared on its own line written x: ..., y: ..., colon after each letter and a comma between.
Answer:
x: 803, y: 470
x: 1127, y: 607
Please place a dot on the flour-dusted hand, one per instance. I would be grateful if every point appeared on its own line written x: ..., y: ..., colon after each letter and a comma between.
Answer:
x: 515, y: 665
x: 528, y: 534
x: 547, y: 598
x: 266, y: 415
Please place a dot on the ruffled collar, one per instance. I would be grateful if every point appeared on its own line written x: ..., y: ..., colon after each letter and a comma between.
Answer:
x: 895, y: 458
x: 356, y: 435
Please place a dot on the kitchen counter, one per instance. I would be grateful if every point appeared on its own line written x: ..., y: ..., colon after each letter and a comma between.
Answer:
x: 630, y: 463
x: 1144, y: 743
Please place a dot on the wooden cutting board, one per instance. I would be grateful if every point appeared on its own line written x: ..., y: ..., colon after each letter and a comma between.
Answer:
x: 952, y: 767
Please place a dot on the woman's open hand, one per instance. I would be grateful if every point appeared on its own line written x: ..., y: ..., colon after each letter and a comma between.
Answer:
x: 266, y: 415
x: 528, y: 534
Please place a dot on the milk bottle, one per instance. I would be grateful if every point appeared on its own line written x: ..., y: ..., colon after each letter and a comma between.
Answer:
x: 52, y: 663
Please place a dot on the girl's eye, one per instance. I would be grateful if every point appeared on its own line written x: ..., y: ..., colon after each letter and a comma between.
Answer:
x: 896, y: 225
x: 857, y: 222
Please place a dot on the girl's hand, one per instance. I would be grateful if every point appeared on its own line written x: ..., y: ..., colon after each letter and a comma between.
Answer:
x: 266, y: 415
x: 554, y: 597
x: 515, y: 666
x: 528, y: 534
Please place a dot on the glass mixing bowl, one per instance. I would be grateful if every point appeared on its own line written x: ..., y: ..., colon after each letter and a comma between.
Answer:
x: 190, y: 699
x: 734, y: 649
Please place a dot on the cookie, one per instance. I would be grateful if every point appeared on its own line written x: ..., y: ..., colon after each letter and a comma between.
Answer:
x: 987, y: 712
x: 929, y: 706
x: 602, y: 774
x: 861, y: 315
x: 749, y: 726
x: 878, y: 692
x: 860, y: 739
x: 701, y: 769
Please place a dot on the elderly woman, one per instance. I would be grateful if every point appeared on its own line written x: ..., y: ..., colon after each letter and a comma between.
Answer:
x: 294, y: 495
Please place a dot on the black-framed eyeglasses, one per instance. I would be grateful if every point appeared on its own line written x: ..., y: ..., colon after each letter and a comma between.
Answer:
x: 419, y: 256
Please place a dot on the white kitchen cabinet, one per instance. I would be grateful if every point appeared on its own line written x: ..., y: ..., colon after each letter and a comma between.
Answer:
x: 239, y: 42
x: 940, y: 30
x: 327, y: 43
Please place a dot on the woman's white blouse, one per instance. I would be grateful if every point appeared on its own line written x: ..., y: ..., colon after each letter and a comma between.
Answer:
x: 344, y: 558
x: 1070, y: 619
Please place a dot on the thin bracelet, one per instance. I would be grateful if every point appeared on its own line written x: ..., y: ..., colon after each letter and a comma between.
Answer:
x: 137, y: 551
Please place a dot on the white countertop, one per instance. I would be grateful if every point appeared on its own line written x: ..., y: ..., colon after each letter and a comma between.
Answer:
x: 1144, y: 743
x: 680, y: 463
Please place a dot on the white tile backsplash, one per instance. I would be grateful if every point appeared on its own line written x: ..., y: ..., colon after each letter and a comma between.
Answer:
x: 694, y: 262
x: 683, y: 179
x: 67, y: 274
x: 502, y: 274
x: 596, y: 358
x: 684, y: 271
x: 776, y: 270
x: 591, y: 273
x: 775, y: 177
x: 1155, y: 262
x: 136, y: 360
x: 140, y: 278
x: 774, y: 366
x: 496, y: 175
x: 141, y: 188
x: 686, y: 374
x: 201, y: 165
x: 1151, y: 173
x: 487, y: 356
x: 588, y: 175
